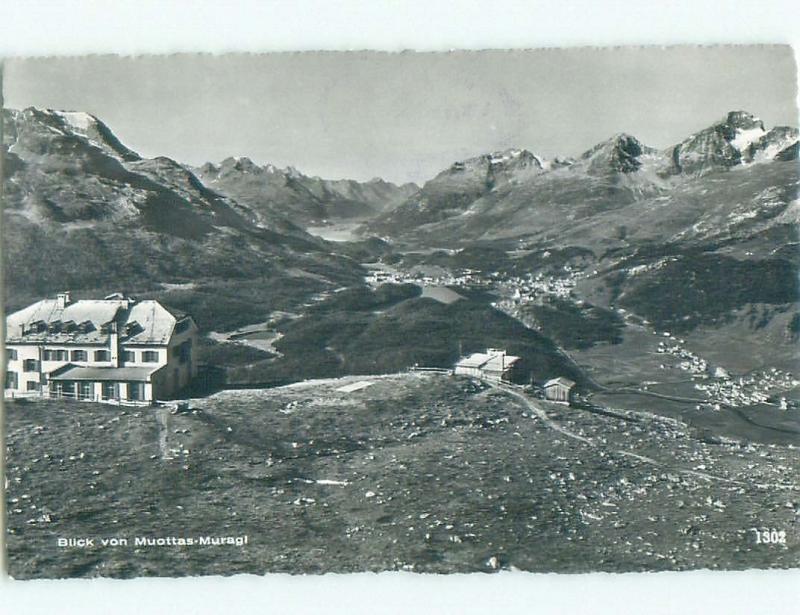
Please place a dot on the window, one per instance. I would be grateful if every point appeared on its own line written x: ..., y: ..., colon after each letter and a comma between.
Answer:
x: 150, y: 356
x: 11, y: 380
x: 135, y: 390
x: 182, y: 326
x: 185, y: 351
x: 55, y: 355
x: 30, y: 365
x: 86, y: 390
x: 79, y: 355
x: 11, y: 354
x: 128, y: 355
x: 32, y: 385
x: 110, y: 390
x: 48, y: 355
x: 102, y: 355
x: 132, y: 328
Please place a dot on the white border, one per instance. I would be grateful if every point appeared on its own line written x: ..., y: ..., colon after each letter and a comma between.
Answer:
x: 43, y: 27
x: 38, y: 27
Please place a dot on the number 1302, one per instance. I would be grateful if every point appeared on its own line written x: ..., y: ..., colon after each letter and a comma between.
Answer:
x: 770, y: 537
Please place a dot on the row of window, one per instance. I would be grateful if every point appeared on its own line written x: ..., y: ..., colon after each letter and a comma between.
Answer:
x: 12, y: 382
x: 109, y: 390
x: 32, y: 365
x: 85, y: 390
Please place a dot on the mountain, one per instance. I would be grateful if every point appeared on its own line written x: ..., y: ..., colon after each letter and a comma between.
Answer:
x: 269, y: 191
x: 84, y: 212
x: 699, y: 238
x: 69, y: 125
x: 621, y: 153
x: 453, y: 191
x: 737, y: 140
x: 515, y: 194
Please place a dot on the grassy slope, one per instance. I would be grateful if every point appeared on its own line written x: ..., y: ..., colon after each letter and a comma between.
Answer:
x: 364, y: 332
x: 459, y: 475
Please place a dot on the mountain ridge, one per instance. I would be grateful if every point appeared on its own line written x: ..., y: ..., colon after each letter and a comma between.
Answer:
x: 307, y: 200
x: 81, y: 211
x: 613, y: 173
x: 228, y: 243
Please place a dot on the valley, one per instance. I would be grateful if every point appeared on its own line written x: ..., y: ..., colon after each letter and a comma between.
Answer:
x: 664, y: 283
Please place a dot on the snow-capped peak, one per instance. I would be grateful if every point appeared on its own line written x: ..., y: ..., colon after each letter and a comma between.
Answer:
x: 515, y: 159
x: 78, y: 120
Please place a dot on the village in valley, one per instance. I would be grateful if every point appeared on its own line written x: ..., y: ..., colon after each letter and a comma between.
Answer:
x: 714, y: 385
x: 482, y: 359
x: 57, y: 368
x: 589, y: 452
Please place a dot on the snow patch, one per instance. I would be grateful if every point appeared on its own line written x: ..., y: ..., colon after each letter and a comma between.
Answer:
x: 77, y: 119
x: 735, y: 218
x: 791, y: 214
x: 355, y: 386
x: 772, y: 150
x: 744, y: 138
x: 636, y: 270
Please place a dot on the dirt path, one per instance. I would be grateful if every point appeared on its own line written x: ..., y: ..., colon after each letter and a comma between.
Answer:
x: 540, y: 412
x: 704, y: 475
x: 162, y: 420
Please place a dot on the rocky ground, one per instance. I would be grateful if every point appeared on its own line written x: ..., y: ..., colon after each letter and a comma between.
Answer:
x: 418, y: 472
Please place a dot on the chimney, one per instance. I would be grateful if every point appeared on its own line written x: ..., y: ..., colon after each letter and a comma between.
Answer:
x: 113, y: 343
x: 63, y: 299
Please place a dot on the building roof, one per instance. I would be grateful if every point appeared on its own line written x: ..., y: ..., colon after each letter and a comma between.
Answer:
x: 76, y: 372
x: 500, y: 362
x: 492, y: 360
x: 477, y: 359
x: 560, y: 381
x: 155, y: 321
x: 143, y: 322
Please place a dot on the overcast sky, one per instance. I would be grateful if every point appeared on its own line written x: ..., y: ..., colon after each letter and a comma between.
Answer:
x: 405, y: 117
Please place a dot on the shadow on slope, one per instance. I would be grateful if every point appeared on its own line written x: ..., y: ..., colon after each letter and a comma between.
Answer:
x: 368, y: 332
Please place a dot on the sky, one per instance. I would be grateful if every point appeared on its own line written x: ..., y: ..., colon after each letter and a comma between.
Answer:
x: 406, y: 116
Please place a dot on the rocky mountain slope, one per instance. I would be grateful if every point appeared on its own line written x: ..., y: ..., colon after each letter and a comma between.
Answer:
x: 269, y: 191
x: 695, y: 238
x: 516, y: 194
x: 84, y: 212
x: 700, y: 235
